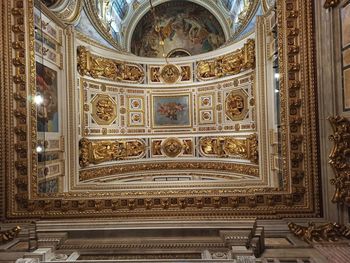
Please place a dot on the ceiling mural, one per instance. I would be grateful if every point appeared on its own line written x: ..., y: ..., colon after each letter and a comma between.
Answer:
x: 182, y: 26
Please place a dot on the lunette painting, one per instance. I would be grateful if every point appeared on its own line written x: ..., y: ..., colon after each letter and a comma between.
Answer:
x: 171, y: 111
x: 46, y: 86
x: 182, y: 25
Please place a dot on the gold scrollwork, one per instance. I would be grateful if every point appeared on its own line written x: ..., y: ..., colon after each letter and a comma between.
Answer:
x: 230, y: 64
x: 230, y: 147
x: 96, y: 67
x: 328, y: 232
x: 97, y: 151
x: 339, y: 159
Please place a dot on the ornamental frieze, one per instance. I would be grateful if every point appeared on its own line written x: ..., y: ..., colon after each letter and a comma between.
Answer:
x: 329, y: 232
x: 225, y: 147
x: 100, y: 151
x: 228, y: 65
x: 99, y: 67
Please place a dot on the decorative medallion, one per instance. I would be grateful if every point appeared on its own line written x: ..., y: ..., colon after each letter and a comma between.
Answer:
x: 170, y: 74
x: 104, y: 109
x: 172, y: 147
x: 236, y: 105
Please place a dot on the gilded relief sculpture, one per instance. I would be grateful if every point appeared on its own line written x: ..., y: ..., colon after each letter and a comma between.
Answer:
x: 230, y: 64
x: 104, y: 109
x: 99, y: 151
x: 98, y: 67
x: 224, y: 147
x: 236, y: 105
x: 329, y: 232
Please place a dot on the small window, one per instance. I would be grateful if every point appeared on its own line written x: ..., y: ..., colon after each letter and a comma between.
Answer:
x: 227, y: 4
x: 120, y: 7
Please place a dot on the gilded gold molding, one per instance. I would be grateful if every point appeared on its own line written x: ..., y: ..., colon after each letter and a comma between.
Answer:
x: 9, y: 235
x: 95, y: 172
x: 96, y: 67
x: 329, y: 232
x: 230, y: 64
x: 331, y: 3
x: 339, y: 159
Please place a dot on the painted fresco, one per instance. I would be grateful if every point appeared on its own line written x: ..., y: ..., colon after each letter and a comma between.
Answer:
x: 183, y: 26
x: 171, y: 111
x: 46, y: 85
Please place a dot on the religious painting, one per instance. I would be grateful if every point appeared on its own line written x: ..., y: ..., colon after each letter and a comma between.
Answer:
x: 181, y: 26
x: 345, y: 24
x: 46, y: 86
x: 171, y: 111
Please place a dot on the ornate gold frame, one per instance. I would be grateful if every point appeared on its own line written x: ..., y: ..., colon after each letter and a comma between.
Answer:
x: 298, y: 198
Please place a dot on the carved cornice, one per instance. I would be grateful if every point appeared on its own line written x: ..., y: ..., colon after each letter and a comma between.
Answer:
x: 331, y: 3
x: 329, y: 232
x: 339, y: 159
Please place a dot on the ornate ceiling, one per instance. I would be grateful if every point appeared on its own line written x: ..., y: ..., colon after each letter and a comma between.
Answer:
x: 115, y: 134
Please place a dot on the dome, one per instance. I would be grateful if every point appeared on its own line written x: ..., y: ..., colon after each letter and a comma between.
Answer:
x: 176, y: 28
x: 186, y: 27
